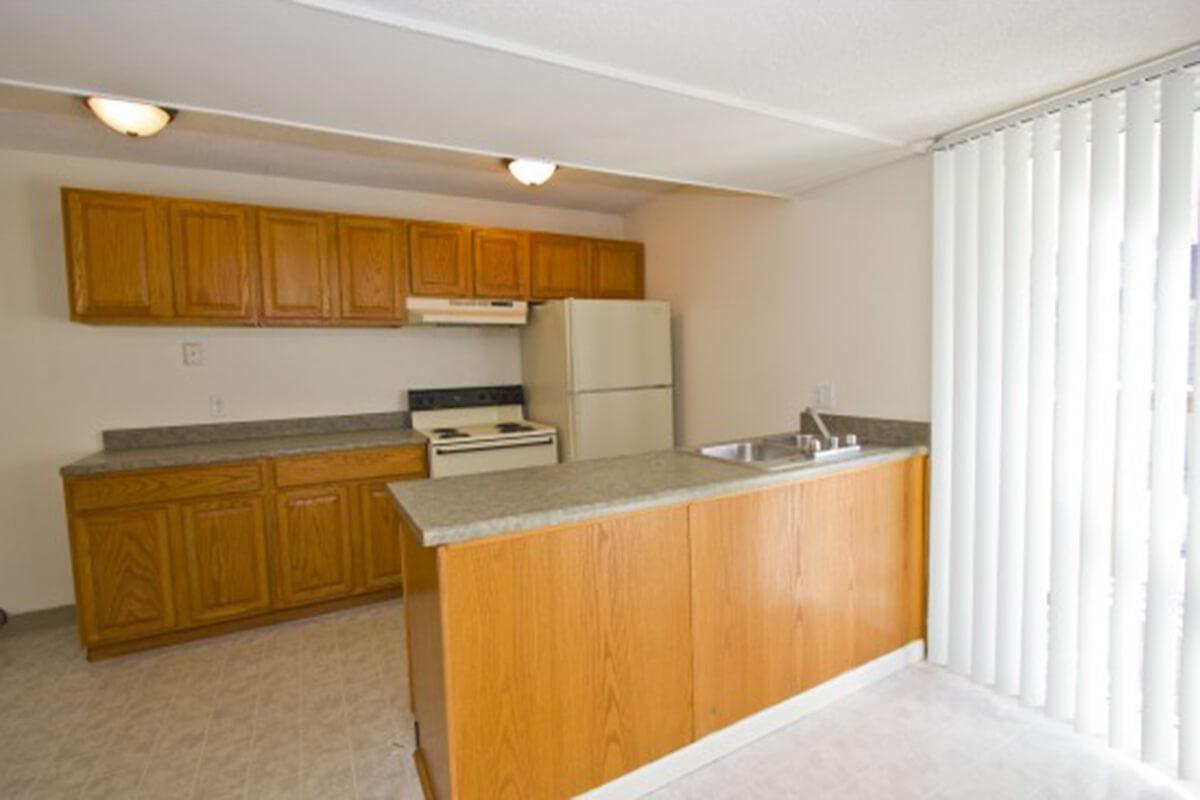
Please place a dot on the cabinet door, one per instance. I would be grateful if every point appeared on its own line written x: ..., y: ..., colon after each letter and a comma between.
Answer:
x: 116, y: 256
x: 439, y: 259
x: 617, y: 270
x: 501, y: 260
x: 373, y: 269
x: 211, y: 260
x: 123, y: 574
x: 558, y: 266
x: 296, y: 265
x: 382, y: 565
x: 223, y: 559
x: 315, y: 549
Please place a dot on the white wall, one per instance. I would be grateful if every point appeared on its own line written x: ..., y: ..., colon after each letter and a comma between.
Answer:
x: 63, y: 383
x: 772, y: 297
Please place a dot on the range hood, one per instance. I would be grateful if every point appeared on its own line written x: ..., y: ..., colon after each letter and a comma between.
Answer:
x: 465, y: 311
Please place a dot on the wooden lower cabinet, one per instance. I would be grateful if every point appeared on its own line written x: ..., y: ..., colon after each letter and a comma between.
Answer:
x: 313, y: 540
x: 123, y: 573
x: 222, y: 559
x: 547, y: 662
x: 165, y: 555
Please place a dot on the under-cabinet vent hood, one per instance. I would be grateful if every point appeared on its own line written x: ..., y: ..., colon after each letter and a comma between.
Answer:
x: 465, y: 311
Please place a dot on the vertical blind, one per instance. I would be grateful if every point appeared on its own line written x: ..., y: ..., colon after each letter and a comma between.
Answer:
x: 1065, y: 485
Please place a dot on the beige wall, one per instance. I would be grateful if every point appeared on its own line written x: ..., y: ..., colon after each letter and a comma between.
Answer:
x: 63, y: 383
x: 772, y: 297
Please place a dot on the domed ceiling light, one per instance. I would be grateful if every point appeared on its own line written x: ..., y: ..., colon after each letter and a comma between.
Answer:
x: 531, y: 171
x: 129, y: 118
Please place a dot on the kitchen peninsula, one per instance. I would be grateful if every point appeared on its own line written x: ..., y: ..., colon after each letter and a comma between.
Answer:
x: 572, y: 623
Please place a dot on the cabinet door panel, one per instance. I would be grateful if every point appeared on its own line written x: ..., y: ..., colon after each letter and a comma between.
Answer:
x: 558, y: 267
x: 123, y: 574
x: 617, y: 270
x: 315, y: 549
x: 381, y: 545
x: 211, y: 260
x: 373, y: 264
x: 501, y: 260
x: 296, y: 265
x: 439, y: 259
x: 224, y: 558
x: 116, y: 256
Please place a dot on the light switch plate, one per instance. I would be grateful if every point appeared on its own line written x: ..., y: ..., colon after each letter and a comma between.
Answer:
x: 193, y: 354
x: 216, y: 406
x: 823, y: 396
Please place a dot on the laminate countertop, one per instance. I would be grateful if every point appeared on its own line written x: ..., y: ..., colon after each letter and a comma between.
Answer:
x: 248, y: 449
x: 460, y: 509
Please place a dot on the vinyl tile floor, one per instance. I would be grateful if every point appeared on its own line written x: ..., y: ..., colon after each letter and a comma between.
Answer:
x: 318, y: 709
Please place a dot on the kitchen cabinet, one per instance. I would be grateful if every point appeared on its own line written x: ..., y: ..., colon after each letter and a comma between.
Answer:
x: 558, y: 266
x: 381, y: 547
x: 617, y: 270
x: 501, y: 261
x: 297, y: 266
x: 123, y: 583
x: 116, y: 247
x: 165, y: 555
x: 212, y: 262
x: 314, y: 543
x: 137, y: 259
x: 372, y: 258
x: 439, y: 259
x: 222, y: 559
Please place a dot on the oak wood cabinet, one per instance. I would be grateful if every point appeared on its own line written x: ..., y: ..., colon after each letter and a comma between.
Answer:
x: 164, y: 555
x: 222, y: 559
x: 559, y: 266
x: 212, y: 260
x: 297, y: 270
x: 137, y: 259
x: 373, y: 258
x: 116, y: 248
x: 501, y: 260
x: 618, y: 271
x: 439, y: 259
x: 123, y: 580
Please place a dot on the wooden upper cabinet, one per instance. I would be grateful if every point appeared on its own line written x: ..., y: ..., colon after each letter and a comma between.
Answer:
x: 558, y: 266
x: 372, y: 259
x: 296, y: 265
x: 315, y: 543
x: 123, y: 574
x: 116, y: 256
x: 501, y: 261
x: 439, y: 257
x: 223, y: 559
x: 212, y: 260
x: 618, y: 270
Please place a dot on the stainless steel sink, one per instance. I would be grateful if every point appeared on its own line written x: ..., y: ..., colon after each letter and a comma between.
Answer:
x: 781, y: 451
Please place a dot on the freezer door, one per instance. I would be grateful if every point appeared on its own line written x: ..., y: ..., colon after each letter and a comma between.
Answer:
x: 621, y: 423
x: 619, y: 344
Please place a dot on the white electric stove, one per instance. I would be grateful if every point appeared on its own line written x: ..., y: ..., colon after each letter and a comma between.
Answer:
x: 480, y: 429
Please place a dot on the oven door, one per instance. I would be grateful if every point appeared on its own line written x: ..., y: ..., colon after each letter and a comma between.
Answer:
x: 468, y: 458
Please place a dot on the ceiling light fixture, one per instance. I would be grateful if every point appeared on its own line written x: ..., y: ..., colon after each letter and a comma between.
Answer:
x: 129, y: 118
x: 531, y: 171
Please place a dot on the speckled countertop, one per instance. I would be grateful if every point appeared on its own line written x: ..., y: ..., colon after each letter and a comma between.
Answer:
x: 252, y: 447
x: 459, y: 509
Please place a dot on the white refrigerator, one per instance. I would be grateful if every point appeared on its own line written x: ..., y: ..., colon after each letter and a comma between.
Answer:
x: 600, y: 371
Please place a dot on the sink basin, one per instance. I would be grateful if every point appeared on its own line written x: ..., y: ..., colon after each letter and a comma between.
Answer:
x: 754, y: 451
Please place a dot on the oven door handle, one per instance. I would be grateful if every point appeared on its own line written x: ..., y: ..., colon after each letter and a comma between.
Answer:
x: 449, y: 450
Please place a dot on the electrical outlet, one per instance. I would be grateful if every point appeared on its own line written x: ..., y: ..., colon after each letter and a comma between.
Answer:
x: 823, y: 396
x: 216, y: 406
x: 193, y: 354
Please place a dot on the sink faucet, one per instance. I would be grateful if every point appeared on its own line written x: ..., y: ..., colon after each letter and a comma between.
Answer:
x: 816, y: 418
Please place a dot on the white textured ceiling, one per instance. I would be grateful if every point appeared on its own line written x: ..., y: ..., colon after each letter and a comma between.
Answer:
x: 770, y: 96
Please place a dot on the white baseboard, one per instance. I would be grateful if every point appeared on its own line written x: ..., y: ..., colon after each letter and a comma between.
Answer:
x: 704, y: 751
